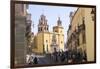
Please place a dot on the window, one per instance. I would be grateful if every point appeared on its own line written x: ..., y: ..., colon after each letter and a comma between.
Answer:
x: 62, y: 35
x: 83, y: 19
x: 47, y: 48
x: 56, y: 31
x: 92, y: 13
x: 93, y: 18
x: 84, y: 38
x: 44, y: 28
x: 78, y: 41
x: 41, y: 29
x: 43, y: 48
x: 38, y: 29
x: 46, y: 41
x: 47, y: 28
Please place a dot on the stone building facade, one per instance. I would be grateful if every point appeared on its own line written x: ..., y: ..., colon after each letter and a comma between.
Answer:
x: 80, y: 35
x: 22, y: 27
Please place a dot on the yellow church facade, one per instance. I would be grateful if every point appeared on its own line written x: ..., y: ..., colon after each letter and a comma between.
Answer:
x: 48, y: 42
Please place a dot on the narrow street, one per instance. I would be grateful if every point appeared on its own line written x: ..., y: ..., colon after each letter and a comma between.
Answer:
x: 43, y: 59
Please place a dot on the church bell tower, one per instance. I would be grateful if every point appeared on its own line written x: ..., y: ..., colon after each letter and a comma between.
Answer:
x: 58, y: 28
x: 43, y: 26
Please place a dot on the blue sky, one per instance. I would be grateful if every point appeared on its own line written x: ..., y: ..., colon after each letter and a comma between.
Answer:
x: 52, y: 13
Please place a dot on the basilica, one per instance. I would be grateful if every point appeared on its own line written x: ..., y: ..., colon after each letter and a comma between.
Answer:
x: 46, y: 41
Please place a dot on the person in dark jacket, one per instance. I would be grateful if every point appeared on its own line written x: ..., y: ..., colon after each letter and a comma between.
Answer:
x: 35, y: 60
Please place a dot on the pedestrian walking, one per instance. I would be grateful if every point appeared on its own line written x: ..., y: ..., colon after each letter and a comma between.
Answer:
x: 27, y: 58
x: 35, y: 60
x: 30, y: 60
x: 62, y: 57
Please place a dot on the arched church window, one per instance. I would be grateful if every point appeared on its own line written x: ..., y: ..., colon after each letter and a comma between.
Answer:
x: 61, y: 41
x: 47, y: 28
x: 41, y: 29
x: 44, y: 28
x: 46, y: 41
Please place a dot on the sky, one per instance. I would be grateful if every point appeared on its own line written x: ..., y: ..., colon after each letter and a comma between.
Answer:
x: 52, y: 13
